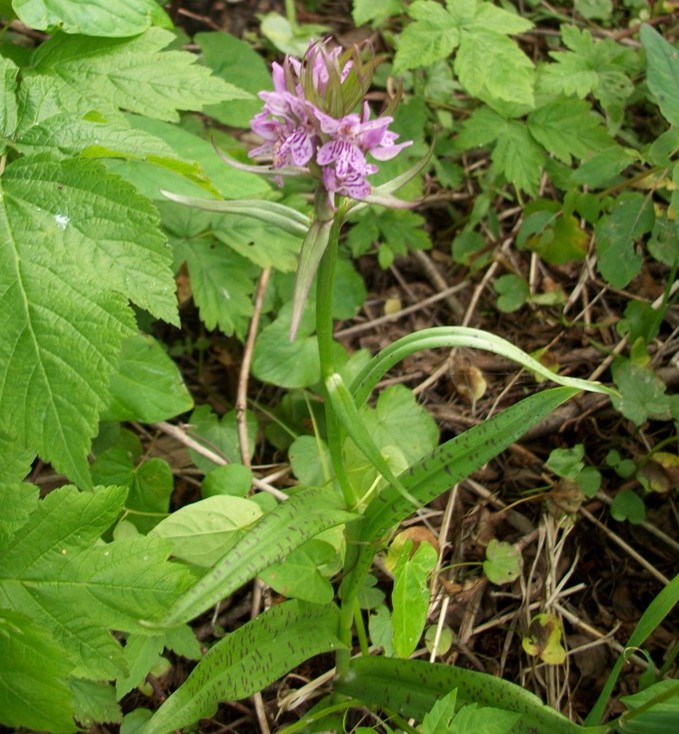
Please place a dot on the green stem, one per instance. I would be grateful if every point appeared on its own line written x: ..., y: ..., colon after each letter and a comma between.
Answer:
x: 360, y: 630
x: 326, y: 344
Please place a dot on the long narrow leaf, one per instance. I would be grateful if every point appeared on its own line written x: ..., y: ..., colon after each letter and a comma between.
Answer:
x: 449, y: 463
x: 456, y: 336
x: 350, y: 419
x: 270, y: 212
x: 305, y: 514
x: 313, y: 247
x: 656, y: 611
x: 412, y: 687
x: 247, y: 660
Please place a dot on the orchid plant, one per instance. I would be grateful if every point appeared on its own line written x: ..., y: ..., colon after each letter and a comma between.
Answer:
x: 317, y: 123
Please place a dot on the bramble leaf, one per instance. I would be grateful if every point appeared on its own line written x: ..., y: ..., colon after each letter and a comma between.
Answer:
x: 33, y: 689
x: 55, y: 564
x: 616, y: 235
x: 91, y: 17
x: 74, y: 240
x: 663, y: 72
x: 237, y: 63
x: 492, y: 67
x: 432, y: 36
x: 518, y: 157
x: 147, y: 387
x: 134, y: 74
x: 568, y: 128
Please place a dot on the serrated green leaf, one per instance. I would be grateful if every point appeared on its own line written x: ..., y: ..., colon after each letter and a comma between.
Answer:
x: 663, y: 72
x: 642, y: 393
x: 491, y: 66
x: 568, y: 128
x: 95, y: 702
x: 306, y: 514
x: 16, y: 504
x: 439, y: 718
x: 147, y: 387
x: 134, y: 74
x: 91, y: 17
x: 66, y: 135
x: 74, y: 240
x: 33, y: 689
x: 237, y: 63
x: 431, y: 37
x: 141, y: 652
x: 601, y: 67
x: 412, y: 687
x: 367, y: 10
x: 616, y: 235
x: 483, y: 127
x: 489, y: 17
x: 8, y: 102
x: 518, y: 157
x: 57, y: 573
x: 249, y: 659
x: 603, y: 167
x: 202, y: 532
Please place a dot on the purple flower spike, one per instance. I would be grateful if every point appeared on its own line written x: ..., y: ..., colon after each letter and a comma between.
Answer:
x: 308, y: 121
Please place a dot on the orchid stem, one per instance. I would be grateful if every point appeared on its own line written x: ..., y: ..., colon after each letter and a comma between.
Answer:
x: 326, y: 344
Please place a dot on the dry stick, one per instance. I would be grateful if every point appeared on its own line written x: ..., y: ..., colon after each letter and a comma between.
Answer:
x: 243, y: 441
x: 244, y: 373
x: 358, y: 328
x: 443, y: 544
x: 625, y: 546
x: 439, y: 282
x: 180, y: 434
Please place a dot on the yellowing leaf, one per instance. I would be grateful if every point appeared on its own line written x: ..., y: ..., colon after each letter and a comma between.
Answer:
x: 544, y: 639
